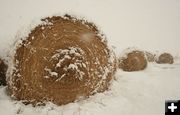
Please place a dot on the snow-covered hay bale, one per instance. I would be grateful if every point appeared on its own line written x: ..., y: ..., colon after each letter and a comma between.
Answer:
x: 150, y: 56
x: 133, y: 61
x: 165, y: 58
x: 62, y: 60
x: 3, y: 68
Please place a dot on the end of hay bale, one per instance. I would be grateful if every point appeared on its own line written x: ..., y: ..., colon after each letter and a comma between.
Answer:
x: 134, y: 61
x: 165, y: 58
x: 61, y: 61
x: 3, y: 68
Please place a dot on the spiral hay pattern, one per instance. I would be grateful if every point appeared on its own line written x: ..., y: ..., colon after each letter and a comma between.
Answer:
x: 62, y: 60
x: 134, y: 61
x: 165, y: 58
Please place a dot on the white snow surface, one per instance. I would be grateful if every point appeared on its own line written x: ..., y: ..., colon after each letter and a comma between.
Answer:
x: 151, y: 25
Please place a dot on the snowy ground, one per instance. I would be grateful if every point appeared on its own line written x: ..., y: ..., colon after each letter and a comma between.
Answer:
x: 148, y: 24
x: 137, y: 93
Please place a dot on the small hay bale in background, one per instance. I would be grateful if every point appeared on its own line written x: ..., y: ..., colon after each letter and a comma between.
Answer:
x: 150, y: 56
x: 133, y: 60
x: 165, y: 58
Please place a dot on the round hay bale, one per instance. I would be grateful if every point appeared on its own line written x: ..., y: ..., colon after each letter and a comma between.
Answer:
x: 150, y: 56
x: 165, y: 58
x: 134, y: 61
x: 62, y: 60
x: 3, y: 69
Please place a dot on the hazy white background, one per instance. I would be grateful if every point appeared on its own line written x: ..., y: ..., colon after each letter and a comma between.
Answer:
x: 147, y: 24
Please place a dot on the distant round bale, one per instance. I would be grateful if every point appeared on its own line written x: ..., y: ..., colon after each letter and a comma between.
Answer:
x: 165, y: 58
x: 150, y: 56
x: 62, y: 60
x: 3, y: 68
x: 133, y: 61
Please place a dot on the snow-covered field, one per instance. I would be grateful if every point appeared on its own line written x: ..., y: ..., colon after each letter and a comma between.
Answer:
x: 151, y: 25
